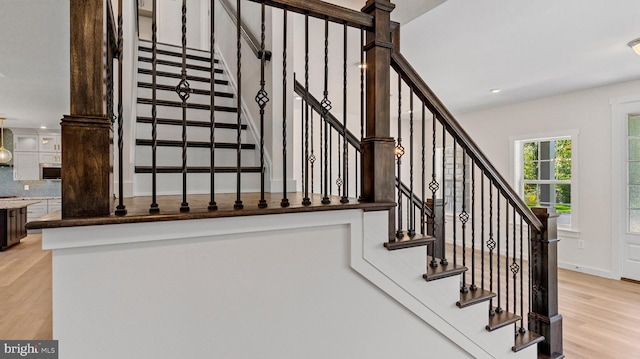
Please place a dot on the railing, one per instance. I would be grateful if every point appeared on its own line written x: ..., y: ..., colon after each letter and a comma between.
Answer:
x: 454, y: 193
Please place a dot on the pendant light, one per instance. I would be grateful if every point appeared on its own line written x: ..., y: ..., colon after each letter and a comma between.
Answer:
x: 5, y: 154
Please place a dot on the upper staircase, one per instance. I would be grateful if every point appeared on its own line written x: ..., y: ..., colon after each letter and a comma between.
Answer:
x: 198, y: 125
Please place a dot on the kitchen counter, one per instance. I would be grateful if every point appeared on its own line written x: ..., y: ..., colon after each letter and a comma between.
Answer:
x: 15, y: 203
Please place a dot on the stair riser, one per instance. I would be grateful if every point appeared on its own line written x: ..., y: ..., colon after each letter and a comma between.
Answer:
x: 166, y: 132
x: 173, y: 48
x: 193, y: 98
x: 192, y: 114
x: 193, y: 84
x: 172, y: 156
x: 178, y: 69
x: 197, y: 183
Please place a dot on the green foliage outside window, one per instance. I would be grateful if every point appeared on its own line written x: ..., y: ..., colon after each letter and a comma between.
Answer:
x: 556, y: 180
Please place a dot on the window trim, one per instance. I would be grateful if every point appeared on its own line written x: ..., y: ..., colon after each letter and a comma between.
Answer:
x: 516, y: 167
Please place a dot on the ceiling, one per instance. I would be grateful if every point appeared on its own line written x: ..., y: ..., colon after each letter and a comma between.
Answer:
x: 462, y: 48
x: 529, y: 49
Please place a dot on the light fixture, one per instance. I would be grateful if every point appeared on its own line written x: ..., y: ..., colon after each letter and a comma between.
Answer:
x: 495, y: 90
x: 43, y: 127
x: 635, y: 46
x: 5, y: 154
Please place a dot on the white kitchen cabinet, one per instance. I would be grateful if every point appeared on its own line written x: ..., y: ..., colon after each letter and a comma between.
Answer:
x: 26, y: 166
x: 50, y: 157
x: 25, y: 142
x: 49, y: 143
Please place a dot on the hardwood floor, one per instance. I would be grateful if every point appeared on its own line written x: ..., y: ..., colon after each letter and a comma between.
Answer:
x: 601, y: 315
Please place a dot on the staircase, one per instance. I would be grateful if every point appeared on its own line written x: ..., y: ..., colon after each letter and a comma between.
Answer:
x: 198, y: 126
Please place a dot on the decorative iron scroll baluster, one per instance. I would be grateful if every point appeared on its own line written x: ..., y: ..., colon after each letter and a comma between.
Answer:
x: 399, y: 152
x: 120, y: 209
x: 522, y: 330
x: 455, y: 200
x: 184, y: 90
x: 238, y: 203
x: 464, y: 217
x: 515, y: 268
x: 411, y: 210
x: 499, y: 285
x: 473, y: 228
x: 506, y: 254
x: 345, y: 154
x: 423, y: 187
x: 261, y: 98
x: 312, y: 156
x: 491, y: 244
x: 212, y: 113
x: 443, y: 260
x: 339, y: 180
x: 326, y: 107
x: 306, y: 201
x: 434, y: 186
x: 285, y: 201
x: 153, y: 208
x: 482, y: 231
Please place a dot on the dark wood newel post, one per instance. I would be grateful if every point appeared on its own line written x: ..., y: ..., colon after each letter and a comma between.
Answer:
x: 377, y: 146
x: 86, y: 131
x: 544, y: 318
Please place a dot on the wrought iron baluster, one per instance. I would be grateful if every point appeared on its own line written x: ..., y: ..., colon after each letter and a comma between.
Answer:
x: 434, y: 186
x: 339, y: 180
x: 184, y: 91
x: 285, y: 201
x: 473, y: 228
x: 464, y: 217
x: 482, y: 231
x: 154, y: 208
x: 312, y: 156
x: 515, y: 268
x: 506, y: 253
x: 331, y: 162
x: 423, y: 186
x: 491, y: 244
x: 499, y: 306
x: 444, y: 260
x: 455, y: 203
x: 411, y: 210
x: 326, y: 107
x: 262, y: 98
x: 213, y: 206
x: 399, y: 152
x: 120, y: 208
x: 306, y: 201
x: 345, y: 154
x: 362, y: 68
x: 238, y: 203
x: 522, y: 329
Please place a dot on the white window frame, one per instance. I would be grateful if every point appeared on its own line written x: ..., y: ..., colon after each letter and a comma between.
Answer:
x: 517, y: 170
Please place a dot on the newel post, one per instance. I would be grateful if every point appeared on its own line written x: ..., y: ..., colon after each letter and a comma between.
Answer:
x: 544, y: 318
x: 377, y: 146
x: 86, y: 131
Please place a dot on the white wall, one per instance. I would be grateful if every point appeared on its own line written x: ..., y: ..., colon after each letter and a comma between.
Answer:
x: 276, y: 286
x: 589, y: 112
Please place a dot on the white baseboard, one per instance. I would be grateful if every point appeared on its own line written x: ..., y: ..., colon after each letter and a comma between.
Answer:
x: 588, y: 270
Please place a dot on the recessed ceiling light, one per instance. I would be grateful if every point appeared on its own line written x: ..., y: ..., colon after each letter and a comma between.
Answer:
x: 635, y: 45
x: 496, y: 90
x: 43, y: 127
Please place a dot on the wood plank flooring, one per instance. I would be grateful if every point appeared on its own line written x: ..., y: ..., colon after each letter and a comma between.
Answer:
x: 601, y: 315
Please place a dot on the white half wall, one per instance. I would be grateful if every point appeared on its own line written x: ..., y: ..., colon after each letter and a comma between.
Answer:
x: 274, y: 286
x: 589, y: 112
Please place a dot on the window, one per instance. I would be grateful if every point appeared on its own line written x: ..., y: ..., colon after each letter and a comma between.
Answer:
x: 545, y: 177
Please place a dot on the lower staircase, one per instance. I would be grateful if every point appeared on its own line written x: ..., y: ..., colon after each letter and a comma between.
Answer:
x: 169, y: 126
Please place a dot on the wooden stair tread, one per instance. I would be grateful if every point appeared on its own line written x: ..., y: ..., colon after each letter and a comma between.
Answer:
x: 179, y: 64
x: 474, y: 297
x: 525, y: 340
x: 174, y: 122
x: 500, y: 320
x: 194, y: 106
x: 175, y: 53
x: 443, y: 271
x: 196, y: 169
x: 408, y: 242
x: 147, y: 85
x: 179, y: 76
x: 197, y: 144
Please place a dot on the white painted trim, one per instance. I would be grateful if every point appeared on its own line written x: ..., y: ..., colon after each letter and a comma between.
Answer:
x: 588, y: 270
x: 620, y: 107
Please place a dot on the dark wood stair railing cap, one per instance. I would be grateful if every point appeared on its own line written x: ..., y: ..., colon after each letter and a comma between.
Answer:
x: 322, y: 10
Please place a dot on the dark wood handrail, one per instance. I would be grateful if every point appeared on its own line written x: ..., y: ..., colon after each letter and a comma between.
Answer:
x: 247, y: 35
x: 112, y: 30
x: 323, y: 10
x: 331, y: 119
x: 420, y: 88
